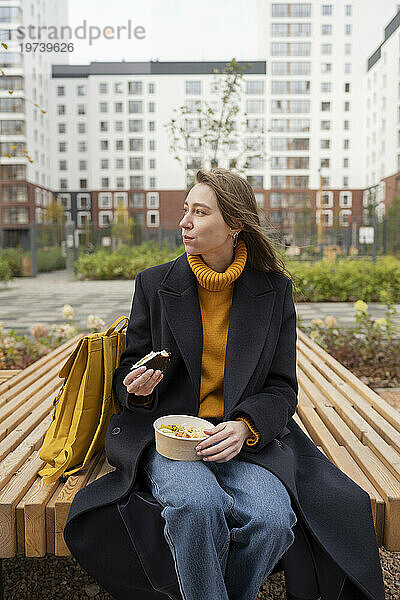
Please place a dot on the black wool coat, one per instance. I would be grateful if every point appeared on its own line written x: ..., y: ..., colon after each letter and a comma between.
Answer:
x: 334, y: 553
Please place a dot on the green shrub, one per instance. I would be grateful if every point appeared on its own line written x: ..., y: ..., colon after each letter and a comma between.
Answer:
x: 345, y: 280
x: 49, y: 259
x: 5, y: 269
x: 126, y: 262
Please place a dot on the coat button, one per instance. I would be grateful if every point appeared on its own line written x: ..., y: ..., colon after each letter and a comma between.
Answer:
x: 116, y: 430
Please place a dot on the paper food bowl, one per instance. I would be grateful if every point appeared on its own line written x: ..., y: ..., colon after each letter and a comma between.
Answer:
x: 179, y: 448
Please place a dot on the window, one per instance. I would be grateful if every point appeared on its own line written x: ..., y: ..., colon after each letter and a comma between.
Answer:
x: 325, y: 163
x: 62, y: 128
x: 327, y: 10
x: 135, y: 87
x: 81, y: 127
x: 291, y: 10
x: 255, y: 125
x: 291, y: 29
x: 62, y: 146
x: 326, y: 48
x: 345, y: 163
x: 152, y: 182
x: 345, y: 199
x: 83, y: 165
x: 325, y: 144
x: 325, y: 106
x: 347, y: 48
x: 81, y: 109
x: 152, y: 144
x: 103, y: 125
x: 290, y: 49
x: 291, y: 68
x: 152, y: 125
x: 152, y: 106
x: 347, y: 29
x: 326, y: 86
x: 136, y: 144
x: 105, y: 218
x: 254, y: 106
x: 61, y: 109
x: 348, y: 10
x: 324, y: 199
x: 193, y: 105
x: 60, y: 90
x: 345, y: 181
x: 346, y: 125
x: 193, y: 87
x: 135, y: 106
x: 254, y: 87
x: 119, y: 87
x: 325, y: 125
x: 151, y: 88
x: 152, y: 163
x: 103, y: 88
x: 135, y: 125
x: 256, y: 181
x: 62, y: 165
x: 118, y: 107
x: 347, y: 106
x: 136, y: 163
x: 326, y: 67
x: 103, y: 107
x: 347, y: 87
x: 326, y: 29
x: 104, y: 163
x: 105, y: 182
x: 105, y: 200
x: 81, y: 90
x: 346, y: 144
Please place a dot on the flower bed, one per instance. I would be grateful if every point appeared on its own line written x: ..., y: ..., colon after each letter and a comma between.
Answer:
x: 371, y: 349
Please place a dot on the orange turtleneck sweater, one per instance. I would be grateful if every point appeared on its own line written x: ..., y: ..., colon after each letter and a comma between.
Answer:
x: 215, y: 296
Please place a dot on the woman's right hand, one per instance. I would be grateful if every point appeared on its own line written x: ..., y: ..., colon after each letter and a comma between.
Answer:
x: 142, y: 381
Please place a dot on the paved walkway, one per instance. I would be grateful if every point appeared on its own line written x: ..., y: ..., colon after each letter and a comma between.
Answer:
x: 26, y: 301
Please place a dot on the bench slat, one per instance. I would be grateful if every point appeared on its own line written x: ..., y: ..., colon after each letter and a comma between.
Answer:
x: 380, y: 405
x: 386, y: 430
x: 36, y: 370
x: 351, y: 417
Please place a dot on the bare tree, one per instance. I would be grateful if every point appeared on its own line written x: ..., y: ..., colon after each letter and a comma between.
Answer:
x: 206, y: 132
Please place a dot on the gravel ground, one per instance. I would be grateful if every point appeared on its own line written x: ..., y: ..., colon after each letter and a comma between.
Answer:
x: 62, y: 578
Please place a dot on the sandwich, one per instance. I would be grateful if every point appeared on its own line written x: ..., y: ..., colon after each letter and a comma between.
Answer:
x: 154, y: 360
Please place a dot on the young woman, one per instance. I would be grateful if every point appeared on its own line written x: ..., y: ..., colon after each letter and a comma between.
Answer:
x: 262, y: 495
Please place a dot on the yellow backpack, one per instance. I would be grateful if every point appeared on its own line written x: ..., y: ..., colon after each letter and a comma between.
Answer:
x: 84, y: 403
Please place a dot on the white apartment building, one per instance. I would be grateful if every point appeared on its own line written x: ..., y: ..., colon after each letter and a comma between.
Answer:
x: 382, y: 121
x: 24, y: 115
x: 110, y: 147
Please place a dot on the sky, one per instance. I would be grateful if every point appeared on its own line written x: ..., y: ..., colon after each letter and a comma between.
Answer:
x: 187, y: 29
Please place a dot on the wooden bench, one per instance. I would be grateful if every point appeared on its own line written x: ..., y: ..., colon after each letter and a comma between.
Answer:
x: 353, y: 426
x: 7, y: 373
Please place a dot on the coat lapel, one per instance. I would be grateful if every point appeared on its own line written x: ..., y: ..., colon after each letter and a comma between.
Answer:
x: 250, y: 318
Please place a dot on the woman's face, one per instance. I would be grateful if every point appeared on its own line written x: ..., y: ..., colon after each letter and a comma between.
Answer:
x: 202, y: 220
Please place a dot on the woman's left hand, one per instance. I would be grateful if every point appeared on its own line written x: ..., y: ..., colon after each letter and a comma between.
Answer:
x: 228, y: 438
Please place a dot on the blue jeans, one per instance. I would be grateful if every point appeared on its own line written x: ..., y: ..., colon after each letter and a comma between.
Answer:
x: 227, y: 524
